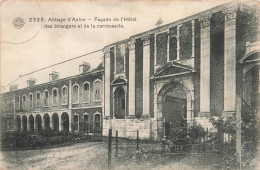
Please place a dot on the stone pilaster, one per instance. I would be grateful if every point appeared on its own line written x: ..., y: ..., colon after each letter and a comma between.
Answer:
x: 107, y: 80
x: 28, y: 125
x: 60, y: 123
x: 178, y: 42
x: 146, y: 76
x: 205, y: 67
x: 131, y: 100
x: 230, y: 61
x: 70, y: 94
x: 193, y: 42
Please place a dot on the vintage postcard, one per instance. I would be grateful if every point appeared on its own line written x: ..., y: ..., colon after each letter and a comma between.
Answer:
x: 130, y: 84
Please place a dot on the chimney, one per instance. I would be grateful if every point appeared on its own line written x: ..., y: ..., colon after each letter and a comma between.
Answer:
x: 31, y: 82
x: 13, y: 87
x: 85, y: 67
x: 54, y: 76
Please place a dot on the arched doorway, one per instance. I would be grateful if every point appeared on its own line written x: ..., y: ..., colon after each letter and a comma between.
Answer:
x: 65, y: 121
x: 119, y: 103
x: 38, y: 121
x: 46, y: 119
x: 24, y: 123
x: 251, y: 91
x: 175, y: 103
x: 55, y: 120
x: 31, y: 123
x: 18, y: 123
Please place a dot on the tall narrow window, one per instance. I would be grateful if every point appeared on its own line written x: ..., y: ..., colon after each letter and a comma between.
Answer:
x: 55, y: 97
x: 97, y: 88
x: 97, y: 118
x: 46, y: 98
x: 173, y: 48
x: 86, y: 96
x: 86, y: 122
x: 18, y: 103
x: 38, y: 99
x: 76, y: 122
x: 24, y: 102
x: 31, y: 100
x: 75, y: 94
x: 64, y: 95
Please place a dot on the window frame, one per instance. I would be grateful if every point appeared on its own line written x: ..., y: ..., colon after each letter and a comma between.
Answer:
x: 46, y: 102
x: 76, y: 114
x: 75, y: 102
x: 88, y: 122
x: 94, y: 121
x: 31, y: 104
x: 62, y: 95
x: 24, y: 101
x: 38, y: 101
x: 19, y: 103
x: 94, y: 90
x: 56, y: 96
x: 83, y: 91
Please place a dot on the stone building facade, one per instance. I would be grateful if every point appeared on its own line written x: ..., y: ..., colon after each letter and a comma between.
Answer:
x: 188, y: 70
x: 72, y: 104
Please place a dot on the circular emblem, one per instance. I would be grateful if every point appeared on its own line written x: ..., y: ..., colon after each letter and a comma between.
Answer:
x: 18, y: 22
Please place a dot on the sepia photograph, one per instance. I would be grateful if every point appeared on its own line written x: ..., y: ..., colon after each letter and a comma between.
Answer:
x: 130, y: 84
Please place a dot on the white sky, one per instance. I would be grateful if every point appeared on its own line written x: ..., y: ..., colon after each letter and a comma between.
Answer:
x: 33, y: 46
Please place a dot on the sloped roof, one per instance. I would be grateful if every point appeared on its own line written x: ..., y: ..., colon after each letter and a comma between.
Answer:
x: 65, y: 69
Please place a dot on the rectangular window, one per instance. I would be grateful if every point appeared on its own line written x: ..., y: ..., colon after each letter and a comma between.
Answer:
x: 120, y: 58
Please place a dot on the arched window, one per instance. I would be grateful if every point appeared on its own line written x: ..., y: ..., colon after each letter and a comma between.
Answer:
x: 97, y: 122
x: 18, y: 103
x: 119, y: 103
x: 86, y: 122
x: 38, y: 99
x: 46, y: 98
x: 76, y: 121
x: 97, y: 88
x: 24, y: 102
x: 86, y: 92
x: 75, y: 93
x: 64, y: 95
x: 31, y: 100
x: 54, y: 97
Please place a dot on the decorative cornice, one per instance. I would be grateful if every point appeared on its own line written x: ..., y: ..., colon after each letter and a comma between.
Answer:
x: 205, y: 20
x: 106, y: 52
x: 131, y: 44
x: 146, y: 40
